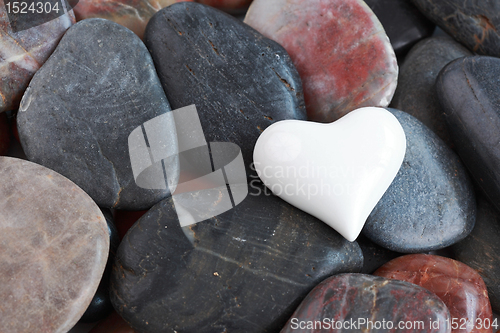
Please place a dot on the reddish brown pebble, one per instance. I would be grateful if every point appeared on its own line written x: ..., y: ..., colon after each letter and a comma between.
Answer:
x: 54, y: 244
x: 113, y: 324
x: 125, y: 219
x: 23, y: 52
x: 459, y: 287
x: 133, y: 14
x: 230, y: 5
x: 339, y: 47
x: 4, y: 134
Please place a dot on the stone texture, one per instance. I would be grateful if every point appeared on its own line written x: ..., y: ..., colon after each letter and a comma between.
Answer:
x: 374, y: 255
x: 113, y: 324
x: 349, y: 297
x: 416, y: 93
x: 481, y: 249
x: 459, y: 287
x: 468, y: 92
x: 472, y: 23
x: 133, y: 14
x: 4, y: 134
x: 100, y: 306
x: 53, y: 248
x: 339, y: 47
x: 81, y: 106
x: 232, y: 6
x: 430, y: 204
x: 23, y: 52
x: 404, y: 24
x: 240, y: 81
x: 242, y: 271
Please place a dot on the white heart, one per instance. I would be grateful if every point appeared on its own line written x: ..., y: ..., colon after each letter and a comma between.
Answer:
x: 336, y: 172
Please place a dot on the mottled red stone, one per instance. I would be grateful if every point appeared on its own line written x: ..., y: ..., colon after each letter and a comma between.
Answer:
x: 23, y: 52
x: 353, y: 297
x: 54, y: 243
x: 459, y: 286
x: 227, y: 4
x: 343, y: 56
x: 4, y: 134
x: 113, y: 324
x: 124, y: 219
x: 133, y: 14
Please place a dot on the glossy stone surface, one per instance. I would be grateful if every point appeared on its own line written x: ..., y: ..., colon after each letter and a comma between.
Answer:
x: 374, y: 255
x: 113, y: 324
x: 472, y: 23
x: 481, y: 249
x: 430, y: 204
x: 339, y: 47
x: 22, y: 53
x: 4, y: 134
x: 416, y: 93
x: 242, y: 271
x: 404, y: 24
x: 52, y: 255
x: 468, y: 92
x: 133, y: 14
x: 349, y: 297
x: 81, y: 106
x: 459, y: 286
x: 100, y: 306
x: 240, y: 81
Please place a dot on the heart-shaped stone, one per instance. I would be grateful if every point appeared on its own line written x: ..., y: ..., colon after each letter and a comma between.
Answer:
x: 336, y: 172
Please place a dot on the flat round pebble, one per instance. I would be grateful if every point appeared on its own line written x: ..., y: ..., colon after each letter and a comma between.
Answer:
x: 430, y: 204
x: 82, y: 105
x: 23, y: 52
x: 472, y: 23
x: 468, y: 92
x: 456, y: 284
x: 481, y: 249
x: 239, y: 81
x: 54, y: 244
x: 416, y: 93
x: 346, y: 299
x: 242, y: 271
x: 339, y: 47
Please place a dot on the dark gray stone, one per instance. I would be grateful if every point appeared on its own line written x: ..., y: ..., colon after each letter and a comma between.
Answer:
x: 468, y: 92
x: 243, y: 271
x: 75, y: 118
x: 472, y: 23
x: 374, y: 255
x: 416, y: 93
x: 481, y: 249
x: 430, y: 204
x: 240, y: 81
x: 403, y: 23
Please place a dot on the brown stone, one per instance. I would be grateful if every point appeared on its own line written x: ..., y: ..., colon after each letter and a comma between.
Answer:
x: 22, y: 53
x: 459, y: 287
x: 54, y: 244
x: 343, y: 56
x: 227, y: 5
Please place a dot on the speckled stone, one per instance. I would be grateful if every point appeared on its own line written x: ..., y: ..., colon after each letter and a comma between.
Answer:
x: 430, y: 204
x: 4, y: 134
x: 456, y: 284
x: 472, y: 23
x: 240, y: 81
x: 347, y: 298
x: 404, y: 24
x: 481, y: 249
x: 23, y: 52
x: 416, y: 93
x: 374, y: 255
x: 113, y: 324
x: 54, y: 244
x: 81, y: 106
x: 133, y: 14
x: 242, y: 271
x: 468, y: 92
x: 339, y: 47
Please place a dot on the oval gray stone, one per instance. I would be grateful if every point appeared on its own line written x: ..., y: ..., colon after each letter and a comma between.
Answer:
x: 81, y: 106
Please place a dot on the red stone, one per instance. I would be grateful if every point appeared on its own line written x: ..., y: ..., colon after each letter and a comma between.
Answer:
x: 459, y: 286
x: 343, y: 56
x: 113, y: 324
x: 133, y: 14
x: 227, y: 4
x: 4, y: 134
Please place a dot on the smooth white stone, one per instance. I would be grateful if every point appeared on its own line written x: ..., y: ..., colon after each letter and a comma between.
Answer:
x: 336, y: 172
